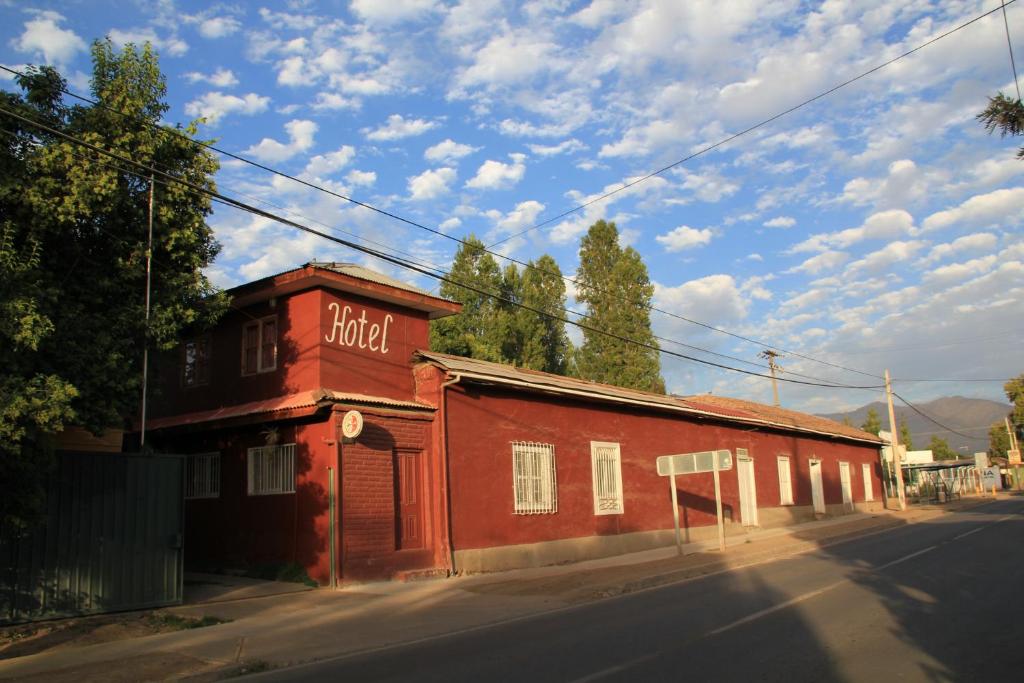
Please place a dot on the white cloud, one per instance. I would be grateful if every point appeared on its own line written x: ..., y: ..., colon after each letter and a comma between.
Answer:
x: 393, y: 11
x: 213, y: 106
x: 300, y: 138
x: 447, y: 151
x: 450, y: 224
x: 523, y: 216
x: 325, y: 164
x: 564, y: 147
x: 361, y: 178
x: 431, y: 183
x: 780, y: 222
x: 494, y: 175
x: 510, y: 58
x: 684, y: 237
x: 44, y: 36
x: 171, y: 46
x: 981, y: 210
x: 222, y: 78
x: 297, y: 72
x: 976, y: 242
x: 904, y: 185
x: 398, y: 127
x: 330, y: 101
x: 828, y: 260
x: 710, y: 186
x: 219, y: 27
x: 960, y: 272
x: 715, y: 297
x: 881, y: 225
x: 889, y: 255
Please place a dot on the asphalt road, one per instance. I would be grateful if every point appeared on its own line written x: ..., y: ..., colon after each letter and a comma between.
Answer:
x: 936, y: 601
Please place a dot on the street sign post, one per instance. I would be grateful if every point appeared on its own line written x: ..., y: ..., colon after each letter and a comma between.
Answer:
x: 695, y: 463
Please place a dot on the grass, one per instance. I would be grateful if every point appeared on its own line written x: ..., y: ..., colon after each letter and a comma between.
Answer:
x: 276, y: 571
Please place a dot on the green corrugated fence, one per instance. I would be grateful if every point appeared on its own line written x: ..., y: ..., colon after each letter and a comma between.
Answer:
x: 111, y: 540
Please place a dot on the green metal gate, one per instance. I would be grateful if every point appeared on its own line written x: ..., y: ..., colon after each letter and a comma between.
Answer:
x: 111, y: 540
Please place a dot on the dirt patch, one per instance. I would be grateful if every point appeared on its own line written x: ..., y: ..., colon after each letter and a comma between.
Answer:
x: 154, y: 666
x: 30, y: 639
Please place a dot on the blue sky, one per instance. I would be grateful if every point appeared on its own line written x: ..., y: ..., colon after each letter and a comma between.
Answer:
x: 879, y: 227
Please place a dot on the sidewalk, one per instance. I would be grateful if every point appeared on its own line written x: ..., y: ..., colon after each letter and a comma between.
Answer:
x: 278, y: 630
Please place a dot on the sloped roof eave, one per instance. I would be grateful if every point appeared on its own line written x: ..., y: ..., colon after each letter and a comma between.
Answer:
x: 602, y: 394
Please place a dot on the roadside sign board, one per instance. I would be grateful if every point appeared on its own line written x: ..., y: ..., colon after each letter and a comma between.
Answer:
x: 694, y: 463
x: 1013, y: 456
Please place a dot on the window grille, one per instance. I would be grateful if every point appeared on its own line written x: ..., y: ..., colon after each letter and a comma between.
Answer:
x: 533, y: 478
x: 271, y: 470
x: 785, y: 482
x: 607, y: 470
x: 202, y: 476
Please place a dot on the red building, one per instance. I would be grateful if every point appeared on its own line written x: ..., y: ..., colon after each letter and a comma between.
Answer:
x: 461, y: 465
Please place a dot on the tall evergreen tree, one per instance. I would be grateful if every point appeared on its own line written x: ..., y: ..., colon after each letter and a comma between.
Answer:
x: 872, y: 424
x: 72, y: 259
x: 545, y: 345
x: 614, y: 286
x: 480, y: 330
x: 905, y: 438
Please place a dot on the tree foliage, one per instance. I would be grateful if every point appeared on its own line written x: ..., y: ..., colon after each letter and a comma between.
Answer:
x: 72, y: 256
x: 614, y: 286
x: 1015, y: 393
x: 871, y: 423
x: 1006, y: 115
x: 506, y: 329
x: 998, y: 440
x: 940, y: 449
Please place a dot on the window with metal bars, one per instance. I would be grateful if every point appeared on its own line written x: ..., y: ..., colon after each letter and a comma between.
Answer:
x: 534, y: 479
x: 202, y: 476
x: 271, y: 470
x: 606, y: 463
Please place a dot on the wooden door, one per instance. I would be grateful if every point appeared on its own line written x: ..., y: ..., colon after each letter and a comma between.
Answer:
x: 847, y: 485
x: 409, y: 503
x: 748, y: 488
x: 817, y: 489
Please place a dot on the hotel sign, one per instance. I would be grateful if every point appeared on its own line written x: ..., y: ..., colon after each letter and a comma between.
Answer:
x: 357, y: 330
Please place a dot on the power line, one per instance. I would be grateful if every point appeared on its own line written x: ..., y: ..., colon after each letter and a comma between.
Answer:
x: 1009, y: 46
x: 314, y: 186
x: 931, y: 419
x: 396, y: 260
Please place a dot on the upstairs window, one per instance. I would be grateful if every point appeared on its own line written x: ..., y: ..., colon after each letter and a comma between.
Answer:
x: 271, y: 470
x: 259, y: 346
x: 196, y: 362
x: 606, y: 467
x: 533, y: 478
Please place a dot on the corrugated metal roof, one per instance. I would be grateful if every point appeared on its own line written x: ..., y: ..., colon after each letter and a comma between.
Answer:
x: 357, y: 271
x: 719, y: 407
x: 303, y: 399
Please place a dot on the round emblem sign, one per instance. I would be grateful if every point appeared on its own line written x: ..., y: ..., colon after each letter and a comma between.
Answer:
x: 352, y: 424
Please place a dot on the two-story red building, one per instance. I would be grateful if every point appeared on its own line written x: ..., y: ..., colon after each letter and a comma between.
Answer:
x: 461, y: 465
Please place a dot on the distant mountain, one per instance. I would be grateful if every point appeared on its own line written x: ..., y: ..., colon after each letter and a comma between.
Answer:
x: 972, y: 416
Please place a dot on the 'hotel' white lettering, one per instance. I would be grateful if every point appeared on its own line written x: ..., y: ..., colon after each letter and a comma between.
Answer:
x: 350, y: 331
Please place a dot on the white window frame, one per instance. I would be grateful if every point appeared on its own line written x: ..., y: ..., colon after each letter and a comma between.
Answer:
x: 262, y: 365
x: 271, y: 470
x: 869, y: 488
x: 534, y: 478
x: 202, y: 476
x: 606, y: 471
x: 785, y: 482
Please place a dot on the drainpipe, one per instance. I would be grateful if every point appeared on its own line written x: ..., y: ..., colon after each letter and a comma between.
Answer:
x: 447, y: 470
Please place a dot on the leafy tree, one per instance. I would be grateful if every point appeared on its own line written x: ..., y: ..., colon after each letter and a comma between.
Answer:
x: 998, y: 440
x: 72, y: 259
x: 1015, y: 393
x: 905, y: 438
x: 847, y: 421
x: 871, y: 423
x: 940, y: 449
x: 1006, y: 115
x: 545, y: 344
x: 614, y: 286
x: 479, y: 331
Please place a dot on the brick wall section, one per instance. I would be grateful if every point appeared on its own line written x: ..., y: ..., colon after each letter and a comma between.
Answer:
x: 368, y: 485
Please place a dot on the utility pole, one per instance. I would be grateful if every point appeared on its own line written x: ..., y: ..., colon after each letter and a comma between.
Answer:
x: 770, y: 355
x: 145, y: 339
x: 895, y: 445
